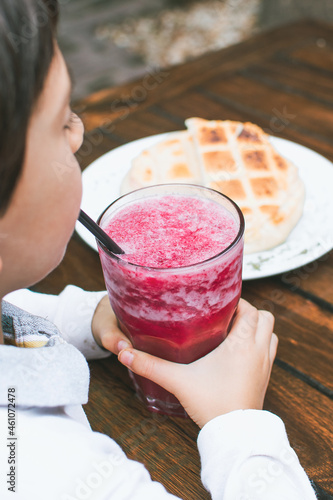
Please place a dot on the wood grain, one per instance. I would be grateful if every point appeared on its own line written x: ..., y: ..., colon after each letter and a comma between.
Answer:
x: 166, y: 446
x: 283, y: 81
x: 304, y: 330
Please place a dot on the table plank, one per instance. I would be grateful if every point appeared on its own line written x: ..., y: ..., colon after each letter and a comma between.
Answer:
x: 144, y: 435
x: 119, y: 102
x: 317, y: 55
x: 308, y: 418
x: 284, y: 72
x: 165, y: 445
x: 210, y: 105
x: 304, y: 329
x: 267, y: 102
x: 314, y: 280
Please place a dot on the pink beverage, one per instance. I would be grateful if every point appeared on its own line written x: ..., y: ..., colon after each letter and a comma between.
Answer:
x: 176, y: 288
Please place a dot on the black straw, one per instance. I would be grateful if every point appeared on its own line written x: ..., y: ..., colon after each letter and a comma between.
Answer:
x: 99, y: 233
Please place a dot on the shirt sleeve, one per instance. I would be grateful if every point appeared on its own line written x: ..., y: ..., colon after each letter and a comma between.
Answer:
x: 246, y: 454
x: 71, y: 311
x: 61, y: 459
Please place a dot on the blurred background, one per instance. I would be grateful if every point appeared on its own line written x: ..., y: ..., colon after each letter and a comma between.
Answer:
x: 110, y: 42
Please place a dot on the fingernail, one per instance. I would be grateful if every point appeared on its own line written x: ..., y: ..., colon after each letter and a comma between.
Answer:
x: 126, y: 358
x: 122, y: 344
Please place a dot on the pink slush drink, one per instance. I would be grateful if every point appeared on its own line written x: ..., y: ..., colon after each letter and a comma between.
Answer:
x: 176, y: 288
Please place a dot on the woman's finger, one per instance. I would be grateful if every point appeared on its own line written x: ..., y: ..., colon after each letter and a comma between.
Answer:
x: 265, y: 327
x: 162, y: 372
x: 105, y: 328
x: 244, y: 325
x: 114, y: 339
x: 273, y: 347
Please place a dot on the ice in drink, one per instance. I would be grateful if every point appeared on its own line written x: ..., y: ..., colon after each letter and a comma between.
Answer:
x: 176, y: 288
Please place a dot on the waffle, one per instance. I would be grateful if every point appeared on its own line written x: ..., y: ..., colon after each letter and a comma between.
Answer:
x: 176, y: 161
x: 236, y: 159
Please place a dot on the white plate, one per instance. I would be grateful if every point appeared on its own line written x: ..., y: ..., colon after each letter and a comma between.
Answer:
x: 309, y: 240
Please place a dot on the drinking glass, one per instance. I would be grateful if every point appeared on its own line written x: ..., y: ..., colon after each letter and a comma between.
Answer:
x: 179, y: 314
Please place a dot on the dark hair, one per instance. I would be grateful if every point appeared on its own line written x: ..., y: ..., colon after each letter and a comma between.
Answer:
x: 27, y: 33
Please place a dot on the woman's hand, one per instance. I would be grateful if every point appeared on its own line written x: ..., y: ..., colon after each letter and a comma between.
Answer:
x: 105, y: 328
x: 234, y: 376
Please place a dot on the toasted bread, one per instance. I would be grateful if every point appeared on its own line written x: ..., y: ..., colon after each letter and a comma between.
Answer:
x: 236, y: 159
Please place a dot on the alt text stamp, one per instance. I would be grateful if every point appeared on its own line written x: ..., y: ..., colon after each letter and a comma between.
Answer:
x: 12, y: 440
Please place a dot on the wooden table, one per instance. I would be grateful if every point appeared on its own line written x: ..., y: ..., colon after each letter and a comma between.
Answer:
x: 283, y: 81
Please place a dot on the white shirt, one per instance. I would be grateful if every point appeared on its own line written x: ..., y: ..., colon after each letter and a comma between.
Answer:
x: 245, y: 455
